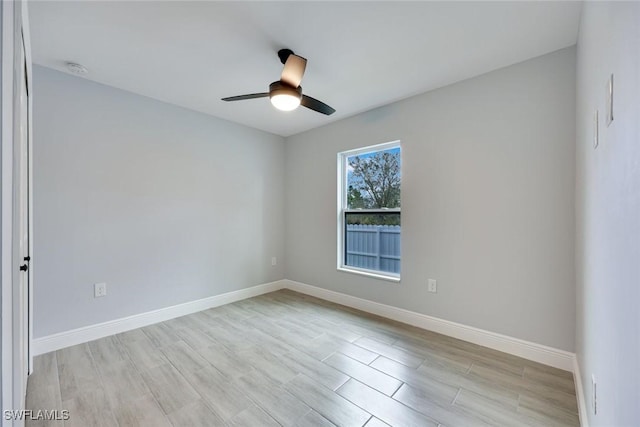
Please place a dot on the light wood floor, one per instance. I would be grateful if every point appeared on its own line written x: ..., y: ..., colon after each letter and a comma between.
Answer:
x: 292, y: 360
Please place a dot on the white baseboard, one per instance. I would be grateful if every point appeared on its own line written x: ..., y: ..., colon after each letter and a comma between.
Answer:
x: 582, y: 401
x: 528, y: 350
x: 537, y: 352
x: 101, y: 330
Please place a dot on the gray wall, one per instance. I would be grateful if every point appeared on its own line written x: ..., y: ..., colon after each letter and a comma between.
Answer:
x: 487, y: 201
x: 608, y: 212
x: 2, y: 225
x: 163, y: 204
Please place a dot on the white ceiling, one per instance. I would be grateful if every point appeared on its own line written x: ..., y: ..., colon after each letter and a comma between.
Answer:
x: 361, y: 54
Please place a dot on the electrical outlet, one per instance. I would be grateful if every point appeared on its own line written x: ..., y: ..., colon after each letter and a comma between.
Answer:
x: 433, y: 286
x: 99, y: 290
x: 274, y: 261
x: 594, y: 398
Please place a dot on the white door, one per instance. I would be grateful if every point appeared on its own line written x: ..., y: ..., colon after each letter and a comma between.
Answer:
x: 21, y: 227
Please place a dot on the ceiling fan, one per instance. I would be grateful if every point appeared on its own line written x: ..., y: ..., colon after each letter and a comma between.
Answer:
x: 286, y: 93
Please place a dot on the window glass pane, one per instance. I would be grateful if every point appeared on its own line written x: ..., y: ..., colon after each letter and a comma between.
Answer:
x: 372, y: 241
x: 373, y: 180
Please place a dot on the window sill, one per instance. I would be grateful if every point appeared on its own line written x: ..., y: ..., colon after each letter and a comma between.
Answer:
x: 368, y: 273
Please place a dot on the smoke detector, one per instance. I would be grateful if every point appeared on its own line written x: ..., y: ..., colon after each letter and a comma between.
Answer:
x: 77, y: 68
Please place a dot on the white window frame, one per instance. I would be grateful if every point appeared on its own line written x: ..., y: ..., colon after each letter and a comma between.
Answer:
x: 342, y: 209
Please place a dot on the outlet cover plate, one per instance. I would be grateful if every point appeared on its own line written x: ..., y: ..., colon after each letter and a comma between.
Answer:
x: 99, y: 290
x: 433, y: 286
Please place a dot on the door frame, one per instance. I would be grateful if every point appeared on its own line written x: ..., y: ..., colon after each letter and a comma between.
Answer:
x: 15, y: 34
x: 26, y: 40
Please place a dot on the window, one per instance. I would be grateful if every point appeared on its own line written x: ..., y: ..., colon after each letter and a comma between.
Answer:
x: 369, y: 210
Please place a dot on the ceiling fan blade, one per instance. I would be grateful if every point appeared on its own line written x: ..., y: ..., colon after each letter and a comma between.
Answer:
x: 249, y: 96
x: 316, y: 105
x: 293, y: 70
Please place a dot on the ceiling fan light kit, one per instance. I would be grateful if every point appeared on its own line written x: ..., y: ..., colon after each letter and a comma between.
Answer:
x: 286, y: 93
x: 285, y: 97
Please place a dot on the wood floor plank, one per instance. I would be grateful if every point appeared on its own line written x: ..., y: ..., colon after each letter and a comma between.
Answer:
x: 122, y: 382
x: 483, y: 356
x: 292, y: 326
x: 374, y: 422
x: 490, y: 411
x: 199, y: 321
x: 45, y: 371
x: 211, y: 313
x: 143, y: 353
x: 275, y: 345
x: 383, y: 407
x: 268, y: 364
x: 76, y: 371
x: 363, y: 373
x: 266, y: 326
x: 550, y: 370
x: 143, y: 411
x: 269, y: 308
x: 160, y: 334
x: 195, y: 338
x: 169, y: 387
x: 439, y: 391
x: 314, y: 369
x: 358, y: 353
x: 330, y: 405
x: 381, y: 336
x: 89, y: 408
x: 319, y: 348
x: 329, y: 327
x: 463, y: 353
x: 325, y: 345
x: 540, y: 409
x: 228, y: 362
x: 314, y: 419
x: 44, y: 397
x: 235, y: 312
x: 481, y: 385
x: 131, y: 336
x: 183, y: 322
x: 220, y: 394
x: 435, y: 356
x: 183, y: 357
x: 204, y: 320
x: 553, y: 396
x: 273, y: 398
x: 405, y: 357
x: 107, y: 350
x: 228, y: 334
x: 195, y: 414
x: 549, y: 379
x: 252, y: 417
x: 443, y: 413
